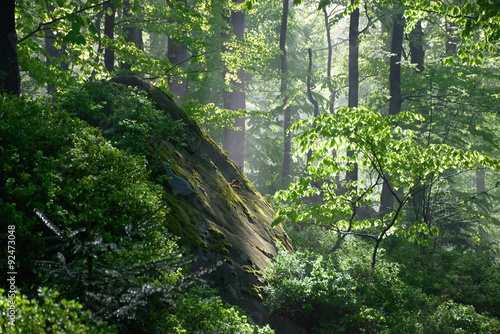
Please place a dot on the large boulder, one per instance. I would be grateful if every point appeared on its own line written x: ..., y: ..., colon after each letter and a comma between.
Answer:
x: 226, y: 222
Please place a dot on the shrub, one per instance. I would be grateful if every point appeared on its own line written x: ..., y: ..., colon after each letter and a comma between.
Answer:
x: 48, y: 314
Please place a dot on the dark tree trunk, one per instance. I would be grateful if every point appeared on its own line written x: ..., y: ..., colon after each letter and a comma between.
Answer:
x: 132, y: 34
x: 109, y: 29
x: 177, y: 55
x: 10, y: 78
x: 353, y: 97
x: 451, y: 43
x: 417, y: 52
x: 287, y: 116
x: 387, y: 196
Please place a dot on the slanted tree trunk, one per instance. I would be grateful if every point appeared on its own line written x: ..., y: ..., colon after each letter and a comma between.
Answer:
x: 353, y: 95
x: 10, y: 78
x: 387, y: 195
x: 234, y: 99
x: 287, y: 116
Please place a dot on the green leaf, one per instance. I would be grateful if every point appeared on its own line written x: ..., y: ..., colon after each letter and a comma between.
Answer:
x: 455, y: 11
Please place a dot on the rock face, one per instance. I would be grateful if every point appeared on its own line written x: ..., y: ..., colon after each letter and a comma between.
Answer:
x: 226, y: 222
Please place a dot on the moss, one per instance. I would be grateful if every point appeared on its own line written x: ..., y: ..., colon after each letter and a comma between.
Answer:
x: 254, y: 291
x: 215, y: 241
x: 265, y: 252
x: 215, y: 233
x: 181, y: 222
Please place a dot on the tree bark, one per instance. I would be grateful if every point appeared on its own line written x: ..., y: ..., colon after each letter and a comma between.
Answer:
x: 287, y: 116
x: 10, y: 78
x: 353, y: 95
x: 387, y: 195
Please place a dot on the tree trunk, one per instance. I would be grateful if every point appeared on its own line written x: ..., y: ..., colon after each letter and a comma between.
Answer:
x: 481, y: 180
x: 353, y: 97
x: 109, y: 29
x: 417, y: 52
x: 10, y: 78
x: 287, y: 116
x: 234, y: 99
x: 387, y: 195
x: 132, y: 34
x: 52, y: 52
x: 310, y: 97
x: 331, y: 104
x: 177, y: 54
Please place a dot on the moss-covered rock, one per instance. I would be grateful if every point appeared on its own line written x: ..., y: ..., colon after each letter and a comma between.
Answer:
x: 226, y: 222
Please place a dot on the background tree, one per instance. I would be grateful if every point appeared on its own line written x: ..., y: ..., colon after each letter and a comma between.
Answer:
x: 9, y: 68
x: 234, y: 96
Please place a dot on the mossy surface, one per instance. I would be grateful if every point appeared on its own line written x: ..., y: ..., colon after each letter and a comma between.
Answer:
x: 226, y: 217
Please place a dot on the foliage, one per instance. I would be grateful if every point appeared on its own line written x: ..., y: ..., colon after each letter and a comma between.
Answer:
x: 202, y: 312
x: 342, y: 293
x: 98, y: 224
x: 390, y: 150
x: 48, y: 313
x: 478, y: 21
x: 465, y: 274
x: 126, y: 117
x: 85, y: 212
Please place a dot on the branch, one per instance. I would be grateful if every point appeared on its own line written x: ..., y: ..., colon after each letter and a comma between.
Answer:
x: 365, y: 235
x: 42, y: 26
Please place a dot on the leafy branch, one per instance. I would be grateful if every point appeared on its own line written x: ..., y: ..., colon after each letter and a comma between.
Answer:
x: 44, y: 25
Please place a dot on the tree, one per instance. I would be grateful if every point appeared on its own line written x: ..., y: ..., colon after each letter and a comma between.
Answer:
x: 395, y: 101
x: 177, y: 54
x: 287, y: 116
x: 234, y: 97
x: 353, y: 98
x: 10, y: 79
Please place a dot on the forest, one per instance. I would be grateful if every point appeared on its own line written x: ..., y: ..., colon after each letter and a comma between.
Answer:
x: 250, y: 166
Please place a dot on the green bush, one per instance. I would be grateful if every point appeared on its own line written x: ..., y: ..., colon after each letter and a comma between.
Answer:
x: 452, y: 318
x: 87, y: 218
x: 47, y: 314
x: 343, y: 293
x: 200, y: 311
x: 126, y: 117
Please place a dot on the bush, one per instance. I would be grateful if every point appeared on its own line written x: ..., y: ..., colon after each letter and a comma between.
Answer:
x: 48, y: 314
x: 452, y: 318
x: 200, y: 311
x: 341, y: 293
x: 86, y: 215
